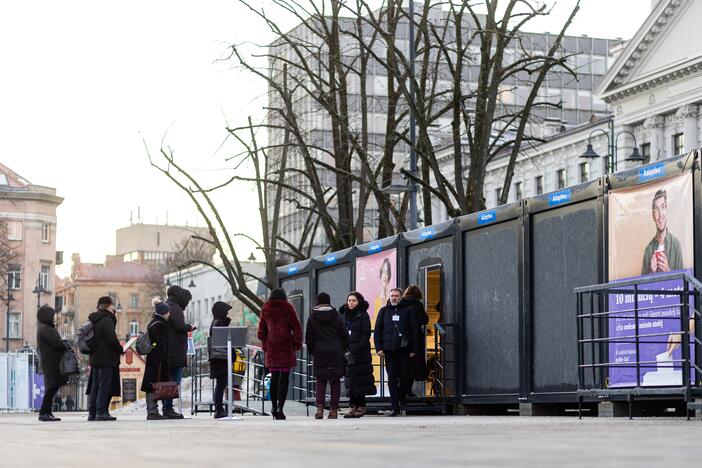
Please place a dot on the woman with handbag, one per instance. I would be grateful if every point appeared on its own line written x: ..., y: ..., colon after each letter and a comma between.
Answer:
x: 412, y: 302
x: 156, y: 370
x: 328, y: 342
x: 280, y: 333
x: 359, y: 380
x: 218, y: 366
x: 51, y: 348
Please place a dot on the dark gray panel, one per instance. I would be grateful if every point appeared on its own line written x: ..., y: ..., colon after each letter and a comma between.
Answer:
x: 301, y: 303
x: 492, y: 309
x: 564, y: 256
x: 336, y: 282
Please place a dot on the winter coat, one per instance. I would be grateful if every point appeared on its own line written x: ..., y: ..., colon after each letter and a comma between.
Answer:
x: 280, y: 333
x: 218, y: 367
x: 388, y: 332
x: 106, y: 347
x: 158, y: 357
x: 418, y: 363
x: 115, y: 383
x: 178, y: 328
x: 327, y: 341
x: 359, y: 379
x: 50, y: 347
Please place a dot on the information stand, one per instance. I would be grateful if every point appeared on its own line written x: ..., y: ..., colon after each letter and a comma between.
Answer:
x: 229, y: 337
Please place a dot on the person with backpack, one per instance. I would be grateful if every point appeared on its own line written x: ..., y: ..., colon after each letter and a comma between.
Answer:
x: 104, y: 361
x: 178, y: 329
x: 328, y: 342
x: 280, y: 333
x: 396, y: 340
x: 218, y: 366
x: 359, y: 380
x: 156, y: 369
x: 51, y: 348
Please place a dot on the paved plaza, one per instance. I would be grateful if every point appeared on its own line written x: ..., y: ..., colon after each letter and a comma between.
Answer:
x: 369, y: 442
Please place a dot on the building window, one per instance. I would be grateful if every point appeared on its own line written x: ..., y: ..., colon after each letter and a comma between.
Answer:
x: 44, y: 275
x: 678, y: 143
x: 158, y: 239
x: 560, y: 179
x: 14, y: 230
x: 584, y: 172
x: 134, y: 301
x: 45, y: 230
x: 15, y: 329
x: 498, y: 194
x: 133, y: 328
x: 518, y: 190
x: 14, y: 273
x: 539, y: 183
x: 646, y: 152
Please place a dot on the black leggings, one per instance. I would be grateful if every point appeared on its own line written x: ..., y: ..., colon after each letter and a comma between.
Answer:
x: 279, y: 388
x: 48, y: 400
x: 221, y: 384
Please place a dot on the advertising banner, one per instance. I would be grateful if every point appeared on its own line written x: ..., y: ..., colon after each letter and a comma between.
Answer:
x: 375, y: 277
x: 37, y: 390
x: 4, y: 382
x: 22, y: 388
x: 650, y: 233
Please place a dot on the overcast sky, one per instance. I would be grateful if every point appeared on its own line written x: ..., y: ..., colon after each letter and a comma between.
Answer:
x: 83, y: 82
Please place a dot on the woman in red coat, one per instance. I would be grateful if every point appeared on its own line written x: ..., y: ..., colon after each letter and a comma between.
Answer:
x: 280, y: 333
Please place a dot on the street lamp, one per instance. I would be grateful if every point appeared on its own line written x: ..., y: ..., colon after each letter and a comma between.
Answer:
x: 9, y: 299
x: 39, y: 290
x: 613, y: 142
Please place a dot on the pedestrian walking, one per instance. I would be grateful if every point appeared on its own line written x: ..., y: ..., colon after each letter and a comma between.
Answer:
x: 104, y: 361
x: 396, y: 340
x: 58, y: 403
x: 51, y: 348
x: 412, y: 304
x: 157, y: 368
x: 359, y: 380
x: 328, y: 342
x: 70, y: 404
x: 280, y: 333
x: 218, y: 366
x: 178, y: 329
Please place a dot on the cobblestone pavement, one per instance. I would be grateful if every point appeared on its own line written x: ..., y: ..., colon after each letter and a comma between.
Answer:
x: 373, y: 441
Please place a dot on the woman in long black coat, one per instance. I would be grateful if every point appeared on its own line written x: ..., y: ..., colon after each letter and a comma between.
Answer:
x: 359, y: 380
x: 156, y: 369
x: 412, y: 302
x: 51, y: 348
x: 218, y: 366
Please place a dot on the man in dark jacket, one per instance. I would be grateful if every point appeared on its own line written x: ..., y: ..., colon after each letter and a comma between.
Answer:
x: 104, y: 360
x: 178, y: 329
x: 51, y: 348
x: 396, y: 340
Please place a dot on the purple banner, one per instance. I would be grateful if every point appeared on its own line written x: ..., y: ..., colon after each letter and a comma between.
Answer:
x: 658, y: 314
x: 37, y: 390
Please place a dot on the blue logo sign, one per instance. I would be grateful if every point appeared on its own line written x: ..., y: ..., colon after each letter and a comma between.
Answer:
x: 375, y: 247
x: 427, y: 233
x: 292, y: 269
x: 487, y: 217
x: 558, y: 198
x: 651, y: 172
x: 330, y: 259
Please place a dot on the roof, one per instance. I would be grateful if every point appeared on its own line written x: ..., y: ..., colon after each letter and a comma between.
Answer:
x: 9, y: 178
x: 120, y: 273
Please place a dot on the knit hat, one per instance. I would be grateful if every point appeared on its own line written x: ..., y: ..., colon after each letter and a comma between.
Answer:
x: 323, y: 298
x: 161, y: 308
x: 107, y: 300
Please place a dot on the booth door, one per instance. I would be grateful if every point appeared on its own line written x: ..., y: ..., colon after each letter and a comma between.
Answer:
x: 430, y: 281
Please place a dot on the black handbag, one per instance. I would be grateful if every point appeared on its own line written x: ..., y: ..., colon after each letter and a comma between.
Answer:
x: 217, y: 353
x: 404, y: 341
x: 68, y: 365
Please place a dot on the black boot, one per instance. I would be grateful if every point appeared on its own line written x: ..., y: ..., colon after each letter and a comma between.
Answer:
x: 281, y: 403
x: 48, y: 418
x: 170, y: 413
x: 274, y: 409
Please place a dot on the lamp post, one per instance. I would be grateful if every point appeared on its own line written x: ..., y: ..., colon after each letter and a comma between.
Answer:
x: 9, y: 299
x: 612, y: 143
x: 39, y: 290
x: 412, y: 127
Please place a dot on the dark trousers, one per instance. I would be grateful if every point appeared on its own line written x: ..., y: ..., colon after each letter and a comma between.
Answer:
x: 100, y: 390
x: 320, y: 389
x: 220, y: 385
x: 359, y: 400
x: 397, y: 364
x: 177, y: 376
x: 49, y: 394
x: 279, y: 389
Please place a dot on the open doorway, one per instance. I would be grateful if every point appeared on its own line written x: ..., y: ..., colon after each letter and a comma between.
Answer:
x: 430, y: 280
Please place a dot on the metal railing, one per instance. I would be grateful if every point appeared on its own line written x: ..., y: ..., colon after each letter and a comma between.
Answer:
x: 616, y: 338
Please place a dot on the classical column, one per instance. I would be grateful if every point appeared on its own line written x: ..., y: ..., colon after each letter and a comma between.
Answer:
x: 654, y: 128
x: 688, y: 115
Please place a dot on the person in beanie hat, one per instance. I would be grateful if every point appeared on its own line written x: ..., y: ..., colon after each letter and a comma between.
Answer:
x: 328, y: 341
x: 51, y: 348
x: 280, y: 333
x: 178, y: 329
x: 104, y: 361
x: 218, y: 367
x: 156, y: 369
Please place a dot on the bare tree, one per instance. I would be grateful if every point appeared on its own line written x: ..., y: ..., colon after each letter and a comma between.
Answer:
x: 189, y: 250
